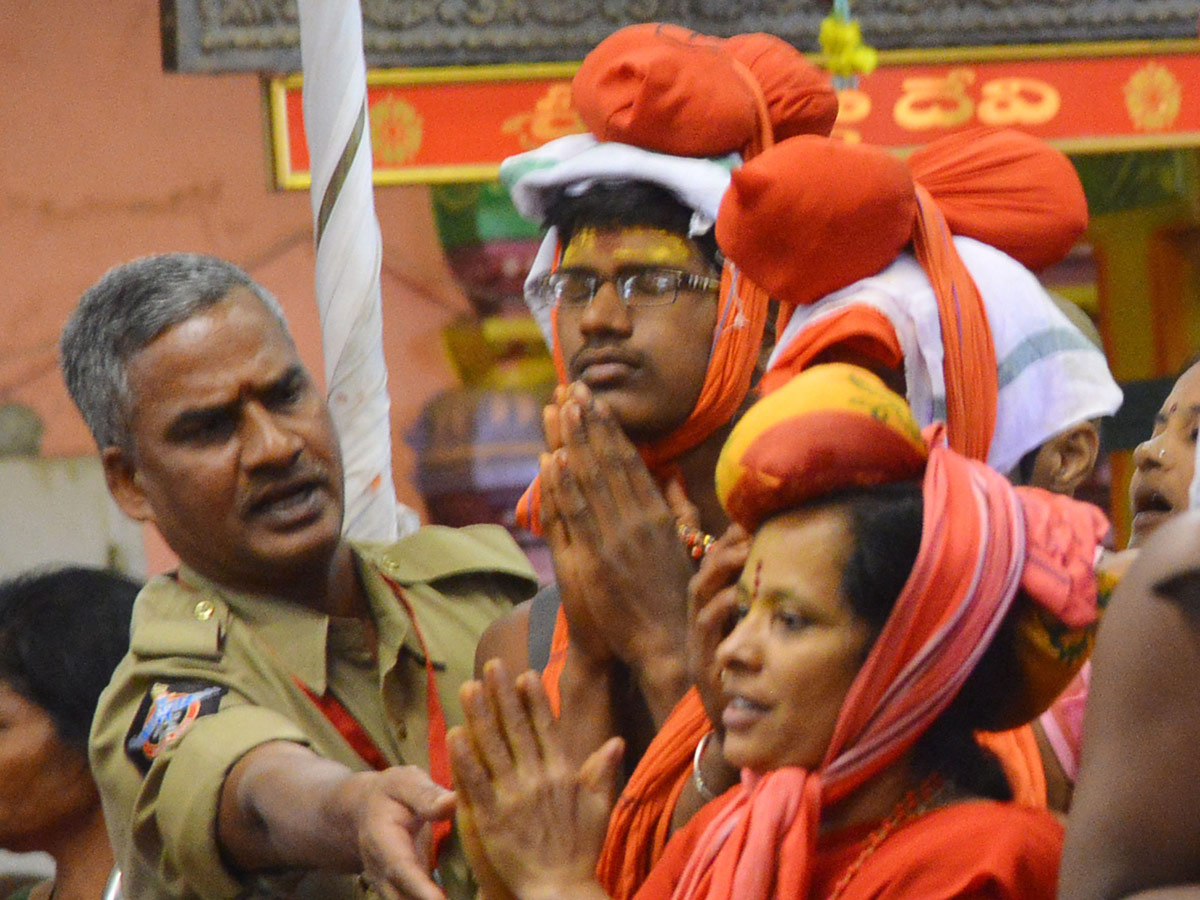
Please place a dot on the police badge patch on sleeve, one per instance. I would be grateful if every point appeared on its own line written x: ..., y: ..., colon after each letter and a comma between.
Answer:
x: 167, y: 711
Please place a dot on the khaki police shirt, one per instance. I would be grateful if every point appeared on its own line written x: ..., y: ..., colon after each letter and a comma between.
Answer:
x: 211, y: 674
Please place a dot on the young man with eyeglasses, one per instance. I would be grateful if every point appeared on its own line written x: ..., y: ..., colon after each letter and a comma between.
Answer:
x: 634, y: 305
x: 656, y: 340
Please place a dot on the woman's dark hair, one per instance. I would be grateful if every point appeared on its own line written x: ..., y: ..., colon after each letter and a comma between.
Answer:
x: 627, y: 204
x: 886, y: 522
x: 62, y: 632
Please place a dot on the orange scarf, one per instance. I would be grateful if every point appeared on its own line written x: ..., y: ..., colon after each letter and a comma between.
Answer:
x: 969, y: 361
x: 1021, y: 759
x: 640, y: 824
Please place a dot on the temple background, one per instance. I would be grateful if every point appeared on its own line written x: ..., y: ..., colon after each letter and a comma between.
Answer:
x: 106, y: 156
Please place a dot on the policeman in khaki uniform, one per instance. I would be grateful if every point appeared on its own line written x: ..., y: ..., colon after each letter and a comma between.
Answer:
x: 273, y: 729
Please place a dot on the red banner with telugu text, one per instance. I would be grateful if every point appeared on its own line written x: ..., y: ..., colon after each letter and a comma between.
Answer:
x: 458, y: 124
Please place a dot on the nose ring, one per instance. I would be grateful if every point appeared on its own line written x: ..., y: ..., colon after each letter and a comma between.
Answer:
x: 1162, y: 451
x: 723, y: 675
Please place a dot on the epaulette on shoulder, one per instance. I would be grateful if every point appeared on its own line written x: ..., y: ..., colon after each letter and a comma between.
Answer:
x: 436, y: 552
x: 172, y: 619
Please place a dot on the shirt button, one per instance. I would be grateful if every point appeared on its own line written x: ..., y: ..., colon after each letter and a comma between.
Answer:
x: 203, y: 610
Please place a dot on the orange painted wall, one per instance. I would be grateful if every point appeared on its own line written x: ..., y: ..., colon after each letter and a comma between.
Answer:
x: 104, y: 157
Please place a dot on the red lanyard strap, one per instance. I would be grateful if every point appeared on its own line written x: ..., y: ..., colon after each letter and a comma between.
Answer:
x: 348, y: 727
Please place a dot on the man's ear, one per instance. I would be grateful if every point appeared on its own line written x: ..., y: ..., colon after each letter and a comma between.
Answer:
x: 121, y: 475
x: 1067, y: 459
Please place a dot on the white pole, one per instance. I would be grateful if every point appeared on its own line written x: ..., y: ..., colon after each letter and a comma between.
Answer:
x: 349, y: 252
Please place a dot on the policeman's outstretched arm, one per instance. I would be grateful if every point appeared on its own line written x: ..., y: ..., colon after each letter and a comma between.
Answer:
x: 282, y: 805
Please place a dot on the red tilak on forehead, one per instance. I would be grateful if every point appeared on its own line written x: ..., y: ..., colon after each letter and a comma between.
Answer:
x: 757, y: 580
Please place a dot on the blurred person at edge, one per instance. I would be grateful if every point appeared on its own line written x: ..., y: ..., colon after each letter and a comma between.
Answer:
x: 1164, y: 463
x: 62, y: 632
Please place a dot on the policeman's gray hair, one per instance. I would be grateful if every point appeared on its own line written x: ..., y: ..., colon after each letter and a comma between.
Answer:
x: 124, y: 311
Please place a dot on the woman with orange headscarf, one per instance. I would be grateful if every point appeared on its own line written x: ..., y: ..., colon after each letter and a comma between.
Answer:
x: 880, y: 623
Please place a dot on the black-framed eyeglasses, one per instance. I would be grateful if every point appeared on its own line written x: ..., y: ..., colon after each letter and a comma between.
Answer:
x: 640, y: 286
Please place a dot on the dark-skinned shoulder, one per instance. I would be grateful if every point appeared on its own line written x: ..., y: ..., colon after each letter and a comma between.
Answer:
x: 506, y: 639
x: 523, y: 638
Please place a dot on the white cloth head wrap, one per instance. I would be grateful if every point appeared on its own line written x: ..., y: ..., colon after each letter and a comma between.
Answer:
x: 578, y: 161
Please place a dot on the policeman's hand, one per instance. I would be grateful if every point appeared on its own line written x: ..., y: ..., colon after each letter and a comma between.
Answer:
x: 712, y: 604
x: 534, y: 823
x: 621, y: 567
x: 393, y: 811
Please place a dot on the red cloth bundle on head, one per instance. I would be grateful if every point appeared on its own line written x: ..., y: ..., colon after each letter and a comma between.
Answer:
x: 833, y: 427
x: 799, y: 96
x: 672, y: 90
x: 814, y: 214
x: 982, y: 539
x: 665, y: 88
x: 1007, y: 189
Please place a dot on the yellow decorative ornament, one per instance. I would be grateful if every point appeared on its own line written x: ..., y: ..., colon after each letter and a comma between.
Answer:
x: 1153, y: 96
x: 396, y: 131
x: 846, y: 56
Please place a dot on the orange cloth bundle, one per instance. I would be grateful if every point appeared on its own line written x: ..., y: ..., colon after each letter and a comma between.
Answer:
x: 799, y: 95
x: 809, y: 217
x: 672, y: 90
x: 665, y: 88
x: 812, y: 215
x: 1008, y: 189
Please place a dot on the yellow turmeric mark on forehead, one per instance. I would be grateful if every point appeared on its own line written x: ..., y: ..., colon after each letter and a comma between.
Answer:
x: 628, y: 246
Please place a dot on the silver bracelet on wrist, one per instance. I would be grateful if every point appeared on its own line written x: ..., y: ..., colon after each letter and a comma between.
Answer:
x: 702, y: 787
